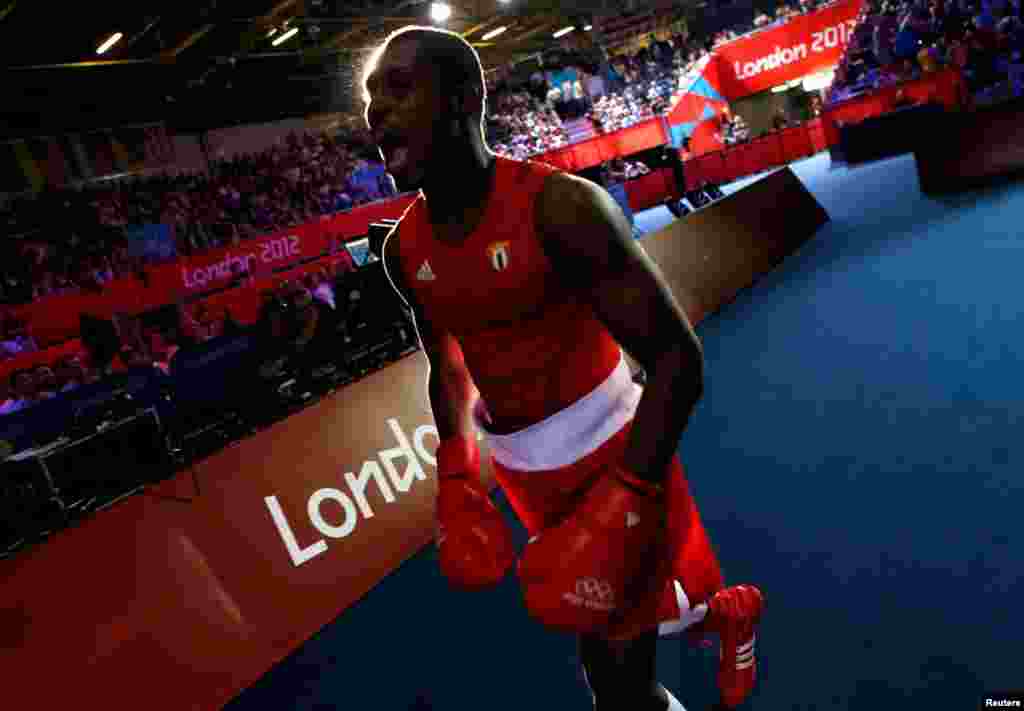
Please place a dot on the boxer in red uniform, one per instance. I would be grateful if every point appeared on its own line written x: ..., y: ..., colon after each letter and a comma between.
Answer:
x: 526, y: 285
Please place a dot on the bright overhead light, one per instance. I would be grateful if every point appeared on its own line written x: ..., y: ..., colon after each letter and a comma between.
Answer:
x: 494, y: 33
x: 440, y: 11
x: 817, y: 82
x: 111, y: 41
x: 273, y: 31
x: 286, y: 36
x: 564, y: 31
x: 587, y: 28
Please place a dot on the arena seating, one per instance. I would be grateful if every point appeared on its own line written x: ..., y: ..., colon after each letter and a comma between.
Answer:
x: 898, y: 41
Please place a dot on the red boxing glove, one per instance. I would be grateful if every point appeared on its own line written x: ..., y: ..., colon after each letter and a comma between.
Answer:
x: 587, y: 573
x: 473, y: 541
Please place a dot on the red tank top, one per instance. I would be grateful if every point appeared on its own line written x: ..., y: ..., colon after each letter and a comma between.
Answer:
x: 532, y: 347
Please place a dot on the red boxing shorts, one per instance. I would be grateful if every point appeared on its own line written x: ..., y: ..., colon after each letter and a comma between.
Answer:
x: 546, y: 468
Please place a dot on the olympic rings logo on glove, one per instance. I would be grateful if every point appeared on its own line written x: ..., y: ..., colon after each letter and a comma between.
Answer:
x: 594, y: 589
x: 592, y: 594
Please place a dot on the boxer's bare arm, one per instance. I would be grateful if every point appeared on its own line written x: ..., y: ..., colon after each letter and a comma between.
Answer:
x: 449, y: 385
x: 591, y: 246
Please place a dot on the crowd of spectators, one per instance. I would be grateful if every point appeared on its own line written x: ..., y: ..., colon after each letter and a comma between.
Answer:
x: 519, y: 126
x: 309, y: 303
x: 630, y: 89
x: 899, y: 40
x: 785, y: 11
x: 78, y: 237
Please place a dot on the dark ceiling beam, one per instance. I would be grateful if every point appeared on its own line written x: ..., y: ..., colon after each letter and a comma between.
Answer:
x: 79, y: 65
x: 8, y: 8
x: 124, y: 46
x: 546, y: 24
x: 172, y: 54
x: 342, y: 37
x: 347, y: 20
x: 276, y: 11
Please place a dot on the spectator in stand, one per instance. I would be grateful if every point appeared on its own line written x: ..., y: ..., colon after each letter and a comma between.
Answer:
x: 596, y: 87
x: 23, y: 390
x: 71, y: 373
x: 885, y: 36
x: 320, y: 288
x: 8, y: 400
x: 780, y: 120
x: 634, y: 169
x: 18, y: 393
x: 201, y: 324
x: 47, y: 386
x: 615, y: 171
x: 15, y: 338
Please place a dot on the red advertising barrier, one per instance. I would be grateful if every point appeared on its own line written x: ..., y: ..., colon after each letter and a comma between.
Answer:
x: 55, y: 318
x: 755, y: 156
x: 47, y: 356
x: 651, y: 190
x: 805, y: 45
x: 945, y: 87
x: 594, y: 151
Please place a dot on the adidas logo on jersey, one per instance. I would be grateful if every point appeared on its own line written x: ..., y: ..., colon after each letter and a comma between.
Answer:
x: 425, y: 273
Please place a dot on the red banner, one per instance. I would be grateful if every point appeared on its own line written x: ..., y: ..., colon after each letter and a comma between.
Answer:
x: 587, y: 154
x: 55, y: 318
x: 651, y: 190
x: 945, y: 87
x: 259, y: 257
x: 805, y: 45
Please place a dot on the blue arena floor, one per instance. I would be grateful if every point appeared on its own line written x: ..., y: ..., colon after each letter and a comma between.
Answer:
x: 854, y: 455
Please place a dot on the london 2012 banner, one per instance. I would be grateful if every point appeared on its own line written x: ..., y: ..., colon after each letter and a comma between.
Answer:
x: 807, y: 44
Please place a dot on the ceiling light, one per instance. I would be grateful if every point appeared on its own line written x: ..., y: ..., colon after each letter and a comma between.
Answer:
x: 440, y: 11
x: 111, y: 41
x: 286, y: 36
x: 564, y: 31
x: 587, y: 28
x: 494, y: 33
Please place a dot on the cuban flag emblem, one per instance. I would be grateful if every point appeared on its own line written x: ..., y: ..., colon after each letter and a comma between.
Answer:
x: 498, y: 253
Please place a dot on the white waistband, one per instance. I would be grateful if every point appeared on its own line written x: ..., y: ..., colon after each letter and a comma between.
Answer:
x: 571, y: 434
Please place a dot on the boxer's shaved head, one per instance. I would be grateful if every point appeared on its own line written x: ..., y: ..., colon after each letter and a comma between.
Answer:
x: 456, y: 64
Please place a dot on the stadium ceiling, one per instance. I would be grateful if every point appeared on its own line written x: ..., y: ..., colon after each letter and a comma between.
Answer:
x: 211, y: 63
